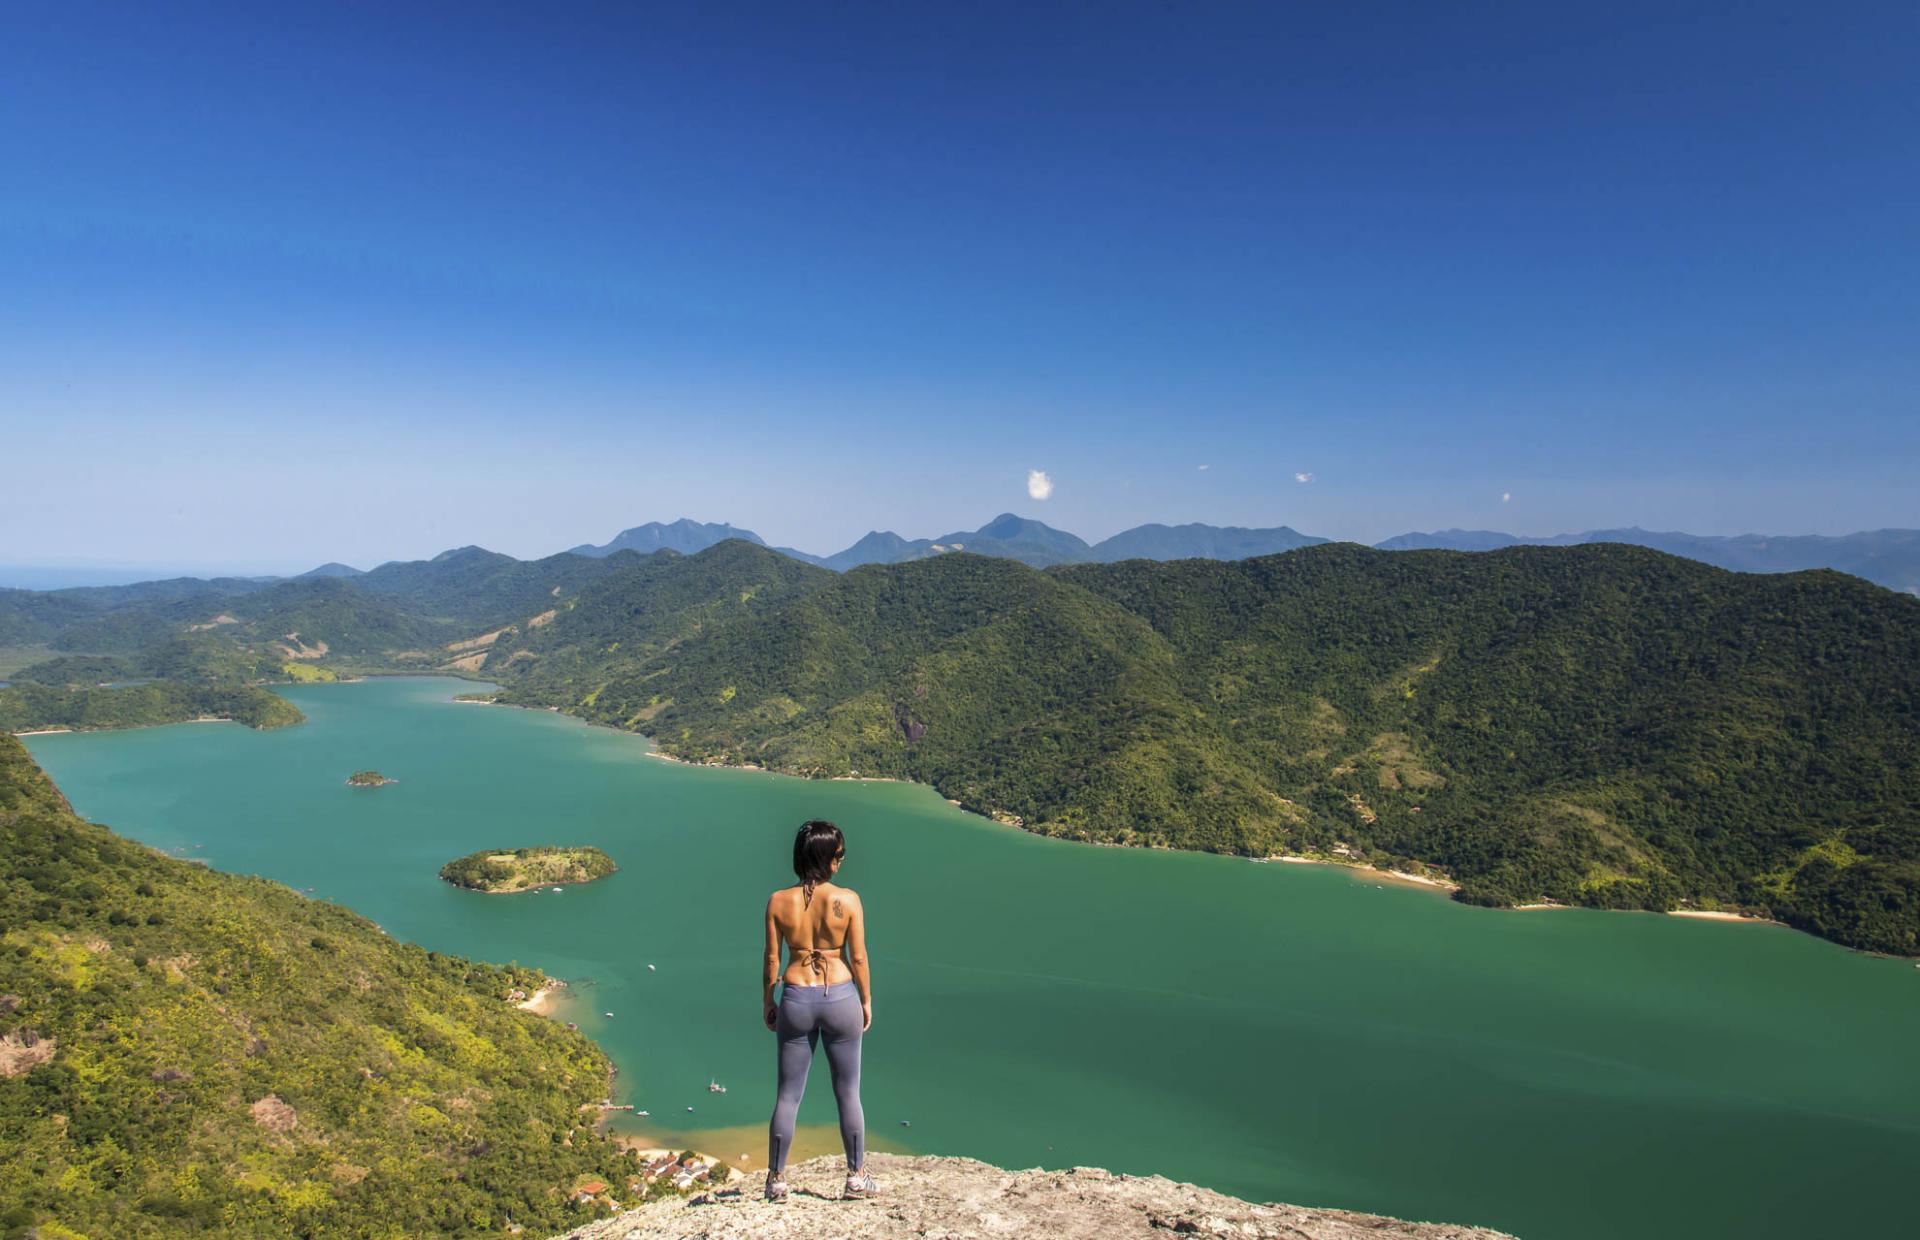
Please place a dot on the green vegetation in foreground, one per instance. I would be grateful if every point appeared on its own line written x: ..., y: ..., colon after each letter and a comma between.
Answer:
x: 369, y: 779
x: 163, y: 1073
x: 28, y: 707
x: 505, y: 870
x: 1600, y: 725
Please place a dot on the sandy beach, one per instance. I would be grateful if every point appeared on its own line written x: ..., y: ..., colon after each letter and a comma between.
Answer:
x: 541, y: 1002
x: 1715, y: 915
x: 1370, y: 872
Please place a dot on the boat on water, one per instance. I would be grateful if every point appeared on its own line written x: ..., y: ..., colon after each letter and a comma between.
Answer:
x: 606, y: 1013
x: 715, y: 1087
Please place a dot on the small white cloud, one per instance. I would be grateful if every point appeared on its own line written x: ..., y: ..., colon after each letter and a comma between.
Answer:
x: 1039, y: 486
x: 1303, y: 476
x: 1206, y: 467
x: 1506, y: 497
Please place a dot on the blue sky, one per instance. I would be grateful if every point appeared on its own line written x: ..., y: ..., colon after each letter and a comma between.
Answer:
x: 282, y: 284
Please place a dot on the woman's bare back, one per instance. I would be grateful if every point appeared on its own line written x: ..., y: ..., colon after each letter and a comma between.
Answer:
x: 815, y: 931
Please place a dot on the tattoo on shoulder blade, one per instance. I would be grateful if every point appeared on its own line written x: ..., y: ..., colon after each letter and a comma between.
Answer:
x: 838, y: 910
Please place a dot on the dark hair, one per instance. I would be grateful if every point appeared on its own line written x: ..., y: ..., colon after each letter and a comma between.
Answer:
x: 814, y: 849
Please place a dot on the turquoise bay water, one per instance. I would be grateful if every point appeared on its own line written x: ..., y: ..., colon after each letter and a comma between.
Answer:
x: 1278, y: 1032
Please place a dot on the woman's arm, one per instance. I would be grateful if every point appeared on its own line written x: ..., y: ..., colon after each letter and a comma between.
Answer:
x: 770, y: 969
x: 857, y: 961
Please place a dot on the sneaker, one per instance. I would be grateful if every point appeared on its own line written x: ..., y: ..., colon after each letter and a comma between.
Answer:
x: 861, y: 1184
x: 776, y: 1188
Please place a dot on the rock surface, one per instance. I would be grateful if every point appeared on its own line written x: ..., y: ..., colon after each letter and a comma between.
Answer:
x: 956, y: 1198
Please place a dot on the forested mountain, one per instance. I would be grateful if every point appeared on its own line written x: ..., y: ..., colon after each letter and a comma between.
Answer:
x: 473, y: 584
x: 1889, y: 557
x: 1595, y: 723
x: 414, y: 606
x: 1015, y: 538
x: 1602, y: 724
x: 30, y: 707
x: 187, y: 1052
x: 650, y: 605
x: 684, y: 536
x: 1210, y: 542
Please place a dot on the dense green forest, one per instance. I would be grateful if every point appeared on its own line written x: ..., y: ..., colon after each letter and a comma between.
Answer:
x: 1598, y: 724
x: 188, y: 1052
x: 26, y: 707
x: 1601, y: 725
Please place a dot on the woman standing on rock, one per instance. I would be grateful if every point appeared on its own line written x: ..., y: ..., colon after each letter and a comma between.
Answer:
x: 825, y: 991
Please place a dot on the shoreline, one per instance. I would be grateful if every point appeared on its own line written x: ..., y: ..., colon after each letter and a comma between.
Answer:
x: 1397, y: 877
x: 522, y: 891
x: 542, y: 1002
x: 136, y: 727
x: 1707, y: 914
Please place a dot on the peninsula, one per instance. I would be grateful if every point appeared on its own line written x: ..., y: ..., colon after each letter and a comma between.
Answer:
x: 501, y: 871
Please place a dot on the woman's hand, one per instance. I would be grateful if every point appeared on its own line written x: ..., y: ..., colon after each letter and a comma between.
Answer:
x: 866, y: 1016
x: 771, y: 1015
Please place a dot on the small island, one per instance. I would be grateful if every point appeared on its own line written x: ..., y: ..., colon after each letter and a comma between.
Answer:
x: 369, y: 779
x: 501, y: 871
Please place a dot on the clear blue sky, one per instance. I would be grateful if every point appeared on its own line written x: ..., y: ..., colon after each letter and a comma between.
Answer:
x: 281, y: 284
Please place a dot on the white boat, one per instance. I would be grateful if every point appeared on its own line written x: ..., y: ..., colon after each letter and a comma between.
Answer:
x: 689, y: 1108
x: 606, y: 1013
x: 556, y: 889
x: 642, y: 1112
x: 649, y: 968
x: 715, y: 1087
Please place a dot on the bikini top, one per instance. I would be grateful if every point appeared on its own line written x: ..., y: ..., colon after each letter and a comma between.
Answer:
x: 816, y: 957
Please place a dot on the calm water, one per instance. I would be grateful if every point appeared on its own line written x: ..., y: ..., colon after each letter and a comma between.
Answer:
x: 1275, y: 1031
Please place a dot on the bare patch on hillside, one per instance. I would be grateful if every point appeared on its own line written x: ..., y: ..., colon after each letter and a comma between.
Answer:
x: 273, y: 1114
x: 485, y: 639
x: 24, y: 1050
x: 1399, y: 765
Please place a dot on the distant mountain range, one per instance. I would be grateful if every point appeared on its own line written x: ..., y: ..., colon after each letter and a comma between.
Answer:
x: 1008, y: 536
x: 1889, y: 557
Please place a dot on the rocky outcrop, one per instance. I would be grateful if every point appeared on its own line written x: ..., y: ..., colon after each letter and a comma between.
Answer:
x: 952, y: 1198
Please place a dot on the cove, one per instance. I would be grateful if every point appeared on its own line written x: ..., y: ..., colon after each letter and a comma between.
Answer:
x: 1278, y: 1032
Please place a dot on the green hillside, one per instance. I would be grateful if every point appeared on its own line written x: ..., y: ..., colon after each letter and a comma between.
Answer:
x: 1603, y: 725
x: 31, y: 707
x: 648, y: 605
x: 187, y: 1052
x: 1599, y: 724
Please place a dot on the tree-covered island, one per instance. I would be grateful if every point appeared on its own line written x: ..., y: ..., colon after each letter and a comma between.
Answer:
x: 369, y: 779
x: 500, y: 871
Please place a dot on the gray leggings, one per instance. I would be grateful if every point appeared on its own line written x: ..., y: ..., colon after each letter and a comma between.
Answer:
x: 805, y: 1013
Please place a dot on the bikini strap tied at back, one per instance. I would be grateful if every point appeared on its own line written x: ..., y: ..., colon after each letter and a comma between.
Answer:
x: 815, y: 958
